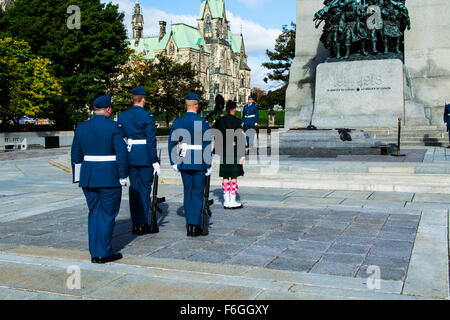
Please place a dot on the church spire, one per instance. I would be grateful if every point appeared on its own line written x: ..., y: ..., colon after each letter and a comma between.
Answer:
x: 137, y: 23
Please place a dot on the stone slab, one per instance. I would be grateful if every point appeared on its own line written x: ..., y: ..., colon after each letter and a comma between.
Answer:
x: 359, y: 94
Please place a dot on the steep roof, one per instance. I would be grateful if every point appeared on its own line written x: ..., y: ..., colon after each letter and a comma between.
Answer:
x: 146, y: 46
x: 185, y: 36
x: 235, y: 41
x: 215, y: 6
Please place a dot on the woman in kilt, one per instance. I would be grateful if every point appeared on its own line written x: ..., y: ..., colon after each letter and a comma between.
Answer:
x: 232, y: 154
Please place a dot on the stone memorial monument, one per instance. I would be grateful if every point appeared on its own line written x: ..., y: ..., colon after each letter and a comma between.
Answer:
x: 365, y: 63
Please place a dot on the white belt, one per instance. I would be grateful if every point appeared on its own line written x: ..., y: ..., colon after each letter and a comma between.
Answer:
x: 252, y: 116
x: 185, y: 147
x: 99, y: 158
x: 132, y: 142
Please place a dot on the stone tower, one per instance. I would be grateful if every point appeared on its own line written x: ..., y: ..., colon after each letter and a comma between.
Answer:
x: 138, y: 23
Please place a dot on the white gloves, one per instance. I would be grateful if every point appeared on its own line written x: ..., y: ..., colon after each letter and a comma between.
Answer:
x: 242, y: 161
x: 175, y: 168
x: 156, y: 168
x: 208, y: 172
x: 123, y: 182
x: 256, y: 124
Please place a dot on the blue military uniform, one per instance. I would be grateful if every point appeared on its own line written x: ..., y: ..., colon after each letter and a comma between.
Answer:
x: 191, y: 133
x: 138, y: 126
x: 99, y: 147
x: 447, y: 118
x: 250, y: 117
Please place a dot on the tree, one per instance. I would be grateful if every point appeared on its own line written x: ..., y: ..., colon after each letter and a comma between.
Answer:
x: 27, y: 87
x: 282, y: 56
x: 86, y: 59
x: 257, y: 94
x: 175, y: 81
x: 273, y: 98
x: 137, y: 72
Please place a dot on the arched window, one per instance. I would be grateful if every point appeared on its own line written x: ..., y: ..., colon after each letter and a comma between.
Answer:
x: 171, y: 49
x: 242, y: 81
x: 208, y: 27
x: 207, y: 74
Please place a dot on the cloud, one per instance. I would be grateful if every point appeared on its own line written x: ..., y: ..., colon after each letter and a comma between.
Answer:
x: 256, y: 37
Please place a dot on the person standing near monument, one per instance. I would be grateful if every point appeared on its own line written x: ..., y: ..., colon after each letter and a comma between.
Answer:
x: 232, y: 154
x: 99, y: 147
x: 250, y: 117
x: 138, y: 126
x: 191, y: 133
x: 447, y: 120
x: 220, y: 105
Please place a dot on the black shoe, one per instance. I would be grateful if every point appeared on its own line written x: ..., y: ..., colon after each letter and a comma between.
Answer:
x: 94, y: 260
x: 111, y: 258
x: 148, y: 229
x: 190, y: 230
x: 138, y: 229
x: 197, y: 231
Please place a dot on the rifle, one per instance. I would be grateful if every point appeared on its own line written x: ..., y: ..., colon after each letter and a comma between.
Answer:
x: 206, y: 211
x: 156, y: 201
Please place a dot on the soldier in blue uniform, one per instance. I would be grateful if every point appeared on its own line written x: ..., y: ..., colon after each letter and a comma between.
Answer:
x: 447, y: 119
x: 138, y: 126
x: 250, y: 116
x: 99, y: 147
x: 191, y: 133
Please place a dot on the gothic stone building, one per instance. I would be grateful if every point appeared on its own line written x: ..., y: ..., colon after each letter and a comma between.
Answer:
x: 214, y: 52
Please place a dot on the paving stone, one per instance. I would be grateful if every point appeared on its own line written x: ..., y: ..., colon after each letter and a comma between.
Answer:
x: 249, y: 233
x: 252, y: 260
x: 283, y: 235
x: 301, y: 254
x: 275, y: 243
x: 387, y: 262
x: 210, y: 256
x: 386, y: 273
x: 392, y: 196
x: 310, y: 245
x: 282, y: 263
x: 343, y: 258
x: 173, y: 254
x: 349, y: 248
x: 339, y: 269
x: 318, y: 237
x: 397, y: 236
x: 261, y: 251
x: 363, y: 195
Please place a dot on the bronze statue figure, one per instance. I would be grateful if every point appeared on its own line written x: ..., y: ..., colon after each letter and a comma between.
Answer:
x: 356, y: 22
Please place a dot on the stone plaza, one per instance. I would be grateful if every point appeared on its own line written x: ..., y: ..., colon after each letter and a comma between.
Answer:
x: 296, y: 241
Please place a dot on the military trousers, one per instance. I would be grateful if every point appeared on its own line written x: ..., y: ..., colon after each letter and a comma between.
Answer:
x: 141, y: 180
x: 104, y: 206
x: 250, y: 132
x: 194, y: 183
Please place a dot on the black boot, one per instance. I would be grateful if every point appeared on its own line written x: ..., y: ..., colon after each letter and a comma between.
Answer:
x: 197, y: 231
x: 111, y: 258
x: 138, y: 229
x: 190, y: 230
x: 148, y: 229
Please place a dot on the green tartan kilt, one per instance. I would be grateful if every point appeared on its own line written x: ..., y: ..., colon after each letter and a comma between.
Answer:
x: 231, y: 170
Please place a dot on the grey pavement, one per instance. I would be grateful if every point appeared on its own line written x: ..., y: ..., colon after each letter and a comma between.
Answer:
x: 284, y: 244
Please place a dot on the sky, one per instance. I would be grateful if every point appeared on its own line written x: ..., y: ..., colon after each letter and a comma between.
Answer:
x: 261, y: 22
